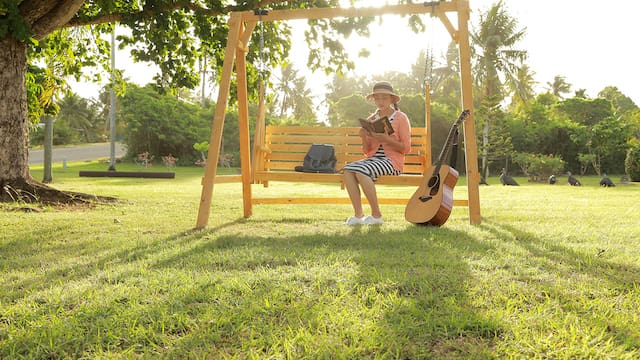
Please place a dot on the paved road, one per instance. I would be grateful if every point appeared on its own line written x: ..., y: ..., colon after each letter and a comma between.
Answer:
x: 77, y: 153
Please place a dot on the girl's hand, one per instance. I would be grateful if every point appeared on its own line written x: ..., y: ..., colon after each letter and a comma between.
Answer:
x: 381, y: 137
x: 388, y: 140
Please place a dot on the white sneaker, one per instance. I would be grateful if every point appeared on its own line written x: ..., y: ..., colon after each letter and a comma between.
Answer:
x: 352, y: 220
x: 370, y: 220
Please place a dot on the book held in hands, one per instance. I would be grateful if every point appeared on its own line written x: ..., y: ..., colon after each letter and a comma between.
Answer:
x: 380, y: 125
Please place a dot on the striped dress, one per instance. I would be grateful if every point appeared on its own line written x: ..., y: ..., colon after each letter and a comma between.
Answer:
x: 374, y: 166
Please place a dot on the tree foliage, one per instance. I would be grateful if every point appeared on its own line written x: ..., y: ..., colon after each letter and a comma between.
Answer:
x: 176, y: 34
x: 78, y: 120
x: 66, y: 35
x: 586, y: 112
x: 161, y: 124
x: 622, y: 104
x: 632, y: 162
x: 497, y: 60
x: 173, y: 35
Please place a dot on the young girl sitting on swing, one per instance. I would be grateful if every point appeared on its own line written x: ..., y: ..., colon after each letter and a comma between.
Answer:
x: 384, y: 154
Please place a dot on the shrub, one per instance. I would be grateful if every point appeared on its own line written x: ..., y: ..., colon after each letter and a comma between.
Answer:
x: 538, y: 167
x: 632, y: 163
x: 62, y: 134
x: 160, y: 124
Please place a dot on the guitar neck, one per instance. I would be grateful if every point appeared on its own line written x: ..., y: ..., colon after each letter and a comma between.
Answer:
x: 446, y: 149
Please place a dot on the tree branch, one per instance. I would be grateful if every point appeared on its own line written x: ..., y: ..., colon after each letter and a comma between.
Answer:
x: 149, y: 13
x: 55, y: 17
x: 33, y: 10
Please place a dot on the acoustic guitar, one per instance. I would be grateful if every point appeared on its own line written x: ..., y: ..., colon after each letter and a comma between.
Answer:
x: 431, y: 204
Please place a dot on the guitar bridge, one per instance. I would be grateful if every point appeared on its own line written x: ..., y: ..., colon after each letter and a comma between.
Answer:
x: 425, y: 198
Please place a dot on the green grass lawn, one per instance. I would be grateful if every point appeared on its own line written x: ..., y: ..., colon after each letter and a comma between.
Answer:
x: 552, y: 272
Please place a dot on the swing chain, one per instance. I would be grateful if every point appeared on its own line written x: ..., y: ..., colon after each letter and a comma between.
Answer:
x: 428, y: 67
x: 428, y: 61
x: 262, y: 67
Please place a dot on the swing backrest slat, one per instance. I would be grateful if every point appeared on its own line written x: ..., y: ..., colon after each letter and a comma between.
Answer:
x: 286, y: 146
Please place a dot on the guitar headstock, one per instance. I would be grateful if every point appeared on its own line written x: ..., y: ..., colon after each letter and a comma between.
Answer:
x: 463, y: 116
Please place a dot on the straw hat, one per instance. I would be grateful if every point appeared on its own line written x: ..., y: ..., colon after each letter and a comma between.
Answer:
x: 383, y: 87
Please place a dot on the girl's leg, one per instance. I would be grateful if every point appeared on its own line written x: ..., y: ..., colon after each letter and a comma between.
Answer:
x: 369, y: 189
x: 351, y: 183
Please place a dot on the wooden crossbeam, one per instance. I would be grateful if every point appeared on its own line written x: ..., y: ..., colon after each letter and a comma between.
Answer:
x: 329, y: 13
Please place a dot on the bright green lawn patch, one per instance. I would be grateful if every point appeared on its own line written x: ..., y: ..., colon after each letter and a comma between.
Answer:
x: 552, y: 272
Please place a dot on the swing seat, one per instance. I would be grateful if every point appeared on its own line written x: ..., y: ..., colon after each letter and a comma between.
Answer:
x: 284, y: 148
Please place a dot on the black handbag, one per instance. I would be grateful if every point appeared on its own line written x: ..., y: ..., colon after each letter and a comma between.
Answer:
x: 321, y: 158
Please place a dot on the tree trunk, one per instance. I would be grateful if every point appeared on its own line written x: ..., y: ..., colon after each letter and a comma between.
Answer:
x: 485, y: 147
x: 16, y: 184
x: 14, y: 127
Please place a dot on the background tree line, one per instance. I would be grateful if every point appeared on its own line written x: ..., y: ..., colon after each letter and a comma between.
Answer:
x: 530, y: 133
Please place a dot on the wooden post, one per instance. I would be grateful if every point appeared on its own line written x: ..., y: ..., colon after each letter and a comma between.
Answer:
x: 471, y: 149
x: 218, y: 122
x: 243, y: 117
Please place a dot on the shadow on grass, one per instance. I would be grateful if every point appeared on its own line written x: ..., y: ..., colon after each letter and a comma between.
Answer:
x: 369, y: 293
x: 558, y: 257
x: 580, y: 282
x: 92, y: 258
x: 389, y: 293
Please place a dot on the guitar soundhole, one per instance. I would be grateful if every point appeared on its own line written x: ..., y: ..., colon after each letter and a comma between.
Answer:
x: 434, y: 185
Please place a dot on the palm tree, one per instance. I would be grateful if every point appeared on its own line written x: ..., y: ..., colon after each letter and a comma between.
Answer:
x: 446, y: 78
x: 522, y: 87
x: 495, y: 55
x: 303, y: 103
x: 581, y: 93
x: 77, y: 112
x: 293, y: 97
x: 285, y: 89
x: 559, y: 86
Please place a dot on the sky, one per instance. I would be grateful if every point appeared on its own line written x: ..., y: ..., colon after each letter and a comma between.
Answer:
x: 590, y: 43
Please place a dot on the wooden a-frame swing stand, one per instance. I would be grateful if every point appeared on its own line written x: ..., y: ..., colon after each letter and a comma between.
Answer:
x: 241, y: 26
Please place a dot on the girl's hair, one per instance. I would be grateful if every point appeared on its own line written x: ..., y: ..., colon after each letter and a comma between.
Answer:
x: 396, y: 107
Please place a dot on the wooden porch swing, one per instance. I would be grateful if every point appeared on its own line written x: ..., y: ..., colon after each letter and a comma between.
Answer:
x: 241, y: 26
